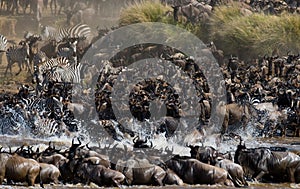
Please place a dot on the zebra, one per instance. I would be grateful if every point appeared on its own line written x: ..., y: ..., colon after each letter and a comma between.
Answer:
x: 40, y: 71
x: 20, y: 54
x: 50, y: 33
x: 80, y: 31
x: 68, y: 50
x: 45, y: 127
x: 3, y: 46
x: 12, y: 121
x: 53, y: 62
x: 68, y: 74
x: 3, y: 43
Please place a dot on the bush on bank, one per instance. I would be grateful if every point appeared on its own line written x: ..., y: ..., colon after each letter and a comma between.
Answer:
x: 256, y: 34
x: 231, y: 28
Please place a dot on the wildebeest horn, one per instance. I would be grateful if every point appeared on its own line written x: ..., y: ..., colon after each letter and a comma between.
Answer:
x: 19, y: 149
x: 87, y: 146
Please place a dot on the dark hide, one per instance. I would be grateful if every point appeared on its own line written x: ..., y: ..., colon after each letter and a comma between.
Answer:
x: 260, y: 162
x: 192, y: 171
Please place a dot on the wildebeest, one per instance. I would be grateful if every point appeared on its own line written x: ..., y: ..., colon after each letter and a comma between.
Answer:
x: 192, y: 171
x: 55, y: 159
x: 172, y: 178
x: 236, y: 113
x: 99, y: 174
x: 139, y: 170
x: 205, y: 154
x: 3, y: 159
x: 48, y: 173
x: 260, y: 162
x: 21, y: 169
x: 234, y: 170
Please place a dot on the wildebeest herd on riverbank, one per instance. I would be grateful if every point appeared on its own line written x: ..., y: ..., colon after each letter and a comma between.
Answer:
x: 81, y: 163
x: 262, y: 93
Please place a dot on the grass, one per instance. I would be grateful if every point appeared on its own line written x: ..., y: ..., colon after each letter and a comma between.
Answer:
x: 144, y: 11
x: 254, y: 35
x: 233, y: 31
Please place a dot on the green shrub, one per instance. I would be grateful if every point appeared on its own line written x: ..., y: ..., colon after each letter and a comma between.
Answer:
x: 144, y: 11
x: 254, y: 35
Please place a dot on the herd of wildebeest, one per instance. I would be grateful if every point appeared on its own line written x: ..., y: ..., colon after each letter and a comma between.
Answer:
x: 117, y: 166
x: 262, y: 93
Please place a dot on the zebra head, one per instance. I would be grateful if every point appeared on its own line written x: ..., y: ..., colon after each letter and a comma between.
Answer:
x: 3, y: 43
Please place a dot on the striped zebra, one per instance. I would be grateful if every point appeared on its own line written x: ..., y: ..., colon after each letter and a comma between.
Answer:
x: 41, y: 70
x: 18, y: 54
x: 53, y: 62
x: 81, y: 31
x: 255, y: 100
x: 68, y: 50
x: 68, y: 74
x: 12, y: 122
x: 46, y: 127
x: 3, y: 45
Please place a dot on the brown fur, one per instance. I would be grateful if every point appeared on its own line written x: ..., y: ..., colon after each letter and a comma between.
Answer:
x: 3, y: 159
x: 193, y: 171
x: 49, y: 173
x: 20, y: 169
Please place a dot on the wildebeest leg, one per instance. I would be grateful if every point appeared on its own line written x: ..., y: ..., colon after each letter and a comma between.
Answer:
x: 225, y: 123
x: 28, y: 66
x: 2, y: 177
x: 260, y: 175
x: 159, y: 175
x: 20, y: 68
x: 228, y: 182
x: 291, y: 174
x: 117, y: 182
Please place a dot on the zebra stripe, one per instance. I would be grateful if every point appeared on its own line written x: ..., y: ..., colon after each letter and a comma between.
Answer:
x: 53, y: 62
x: 3, y: 43
x: 68, y: 74
x: 18, y: 54
x: 45, y: 127
x: 69, y: 51
x: 50, y: 33
x: 12, y: 121
x: 76, y: 31
x: 255, y: 101
x: 80, y: 31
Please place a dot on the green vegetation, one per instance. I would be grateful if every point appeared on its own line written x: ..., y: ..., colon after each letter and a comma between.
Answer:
x: 146, y: 11
x: 256, y: 34
x: 231, y: 28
